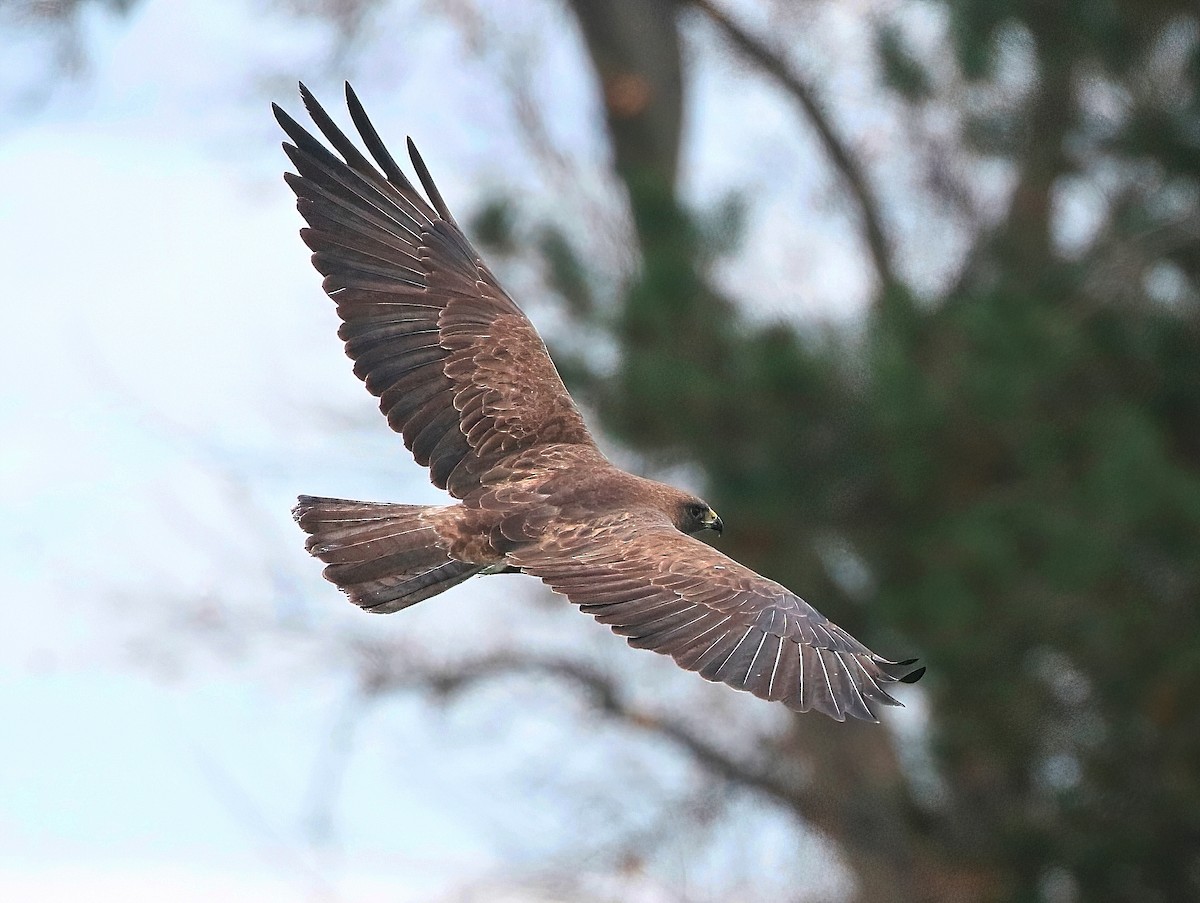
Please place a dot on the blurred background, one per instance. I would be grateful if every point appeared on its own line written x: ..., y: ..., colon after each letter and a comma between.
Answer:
x: 907, y: 288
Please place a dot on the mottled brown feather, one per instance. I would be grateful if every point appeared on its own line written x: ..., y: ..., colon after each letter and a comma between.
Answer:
x: 459, y: 370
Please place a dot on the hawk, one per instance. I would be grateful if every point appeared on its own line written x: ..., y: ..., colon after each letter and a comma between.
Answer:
x: 461, y: 373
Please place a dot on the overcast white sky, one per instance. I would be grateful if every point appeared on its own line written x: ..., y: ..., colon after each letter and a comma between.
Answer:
x: 159, y: 314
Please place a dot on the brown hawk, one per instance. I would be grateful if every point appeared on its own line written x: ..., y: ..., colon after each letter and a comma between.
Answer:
x: 463, y: 376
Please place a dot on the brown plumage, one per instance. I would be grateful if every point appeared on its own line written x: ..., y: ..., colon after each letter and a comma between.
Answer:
x: 463, y: 376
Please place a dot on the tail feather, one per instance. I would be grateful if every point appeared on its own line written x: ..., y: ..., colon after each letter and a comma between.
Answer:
x: 385, y: 557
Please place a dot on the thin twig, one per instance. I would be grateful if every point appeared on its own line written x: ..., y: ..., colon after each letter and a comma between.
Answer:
x: 835, y: 147
x: 606, y: 695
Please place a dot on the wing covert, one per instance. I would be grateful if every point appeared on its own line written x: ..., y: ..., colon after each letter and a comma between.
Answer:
x: 671, y: 593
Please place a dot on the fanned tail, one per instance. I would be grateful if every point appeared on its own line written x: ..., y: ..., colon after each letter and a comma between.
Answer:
x: 385, y: 557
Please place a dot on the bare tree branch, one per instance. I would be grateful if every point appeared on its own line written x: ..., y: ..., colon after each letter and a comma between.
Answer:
x: 389, y: 672
x: 884, y: 859
x: 333, y: 763
x: 835, y: 147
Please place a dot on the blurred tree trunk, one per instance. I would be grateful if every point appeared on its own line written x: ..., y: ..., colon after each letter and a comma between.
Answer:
x: 635, y: 50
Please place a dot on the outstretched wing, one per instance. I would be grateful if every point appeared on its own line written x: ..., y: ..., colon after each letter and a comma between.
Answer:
x: 673, y: 594
x: 459, y: 370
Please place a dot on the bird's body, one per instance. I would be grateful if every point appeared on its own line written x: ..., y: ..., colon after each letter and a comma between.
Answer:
x: 462, y: 374
x: 386, y: 556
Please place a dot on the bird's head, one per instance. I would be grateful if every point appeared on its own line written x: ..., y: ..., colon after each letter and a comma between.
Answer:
x: 695, y: 515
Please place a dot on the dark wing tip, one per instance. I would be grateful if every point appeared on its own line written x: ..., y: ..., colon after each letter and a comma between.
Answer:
x: 282, y: 117
x: 304, y: 505
x: 294, y: 130
x: 899, y: 671
x: 374, y: 143
x: 312, y: 104
x: 435, y: 196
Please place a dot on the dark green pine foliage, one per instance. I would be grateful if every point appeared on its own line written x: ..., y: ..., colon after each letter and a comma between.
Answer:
x: 1038, y: 529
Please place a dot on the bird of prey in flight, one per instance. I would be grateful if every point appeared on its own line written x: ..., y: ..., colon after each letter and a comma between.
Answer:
x: 463, y: 376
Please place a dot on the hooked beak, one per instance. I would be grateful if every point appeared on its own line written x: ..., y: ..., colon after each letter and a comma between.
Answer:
x: 712, y: 522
